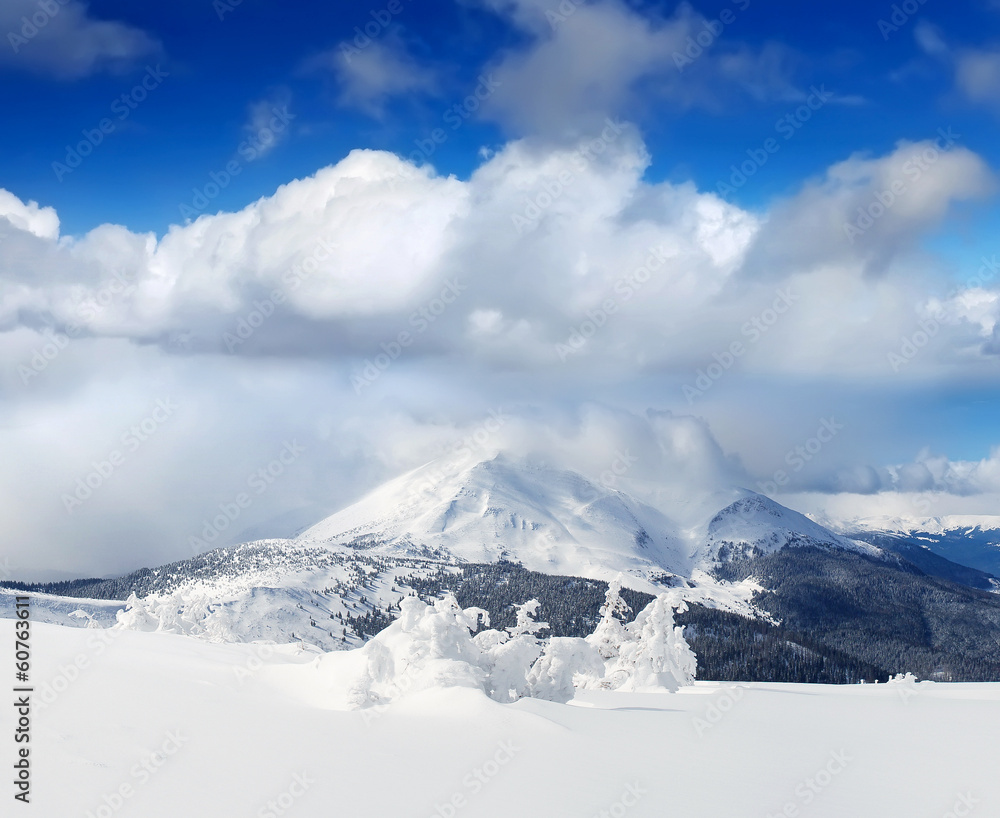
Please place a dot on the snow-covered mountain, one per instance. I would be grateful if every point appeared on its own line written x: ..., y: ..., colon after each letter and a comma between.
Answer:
x: 757, y: 524
x: 552, y: 521
x: 362, y: 560
x: 558, y: 522
x: 969, y: 540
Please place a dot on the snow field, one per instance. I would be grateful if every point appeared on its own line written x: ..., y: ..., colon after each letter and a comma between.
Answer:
x: 251, y: 735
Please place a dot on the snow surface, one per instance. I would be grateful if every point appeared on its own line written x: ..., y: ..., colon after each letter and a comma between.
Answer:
x: 63, y: 610
x: 245, y: 720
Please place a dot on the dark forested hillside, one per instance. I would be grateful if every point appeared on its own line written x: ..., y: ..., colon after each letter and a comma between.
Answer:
x: 889, y: 615
x: 729, y: 647
x: 843, y: 617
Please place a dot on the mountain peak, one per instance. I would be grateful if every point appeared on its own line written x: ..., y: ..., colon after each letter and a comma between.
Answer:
x: 555, y: 521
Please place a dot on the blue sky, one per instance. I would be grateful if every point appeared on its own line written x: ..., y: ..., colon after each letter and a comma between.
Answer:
x: 887, y: 89
x: 822, y: 110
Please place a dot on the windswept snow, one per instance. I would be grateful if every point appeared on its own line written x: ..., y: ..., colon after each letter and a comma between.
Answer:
x: 212, y: 713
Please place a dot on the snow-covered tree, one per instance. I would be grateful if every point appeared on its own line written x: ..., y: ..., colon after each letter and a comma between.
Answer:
x: 610, y: 633
x: 656, y: 655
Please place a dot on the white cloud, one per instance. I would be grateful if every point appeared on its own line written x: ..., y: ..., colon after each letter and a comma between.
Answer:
x: 30, y: 218
x: 865, y: 210
x: 978, y: 75
x: 267, y: 122
x: 977, y: 70
x: 369, y: 77
x: 587, y: 61
x: 540, y: 247
x: 63, y: 40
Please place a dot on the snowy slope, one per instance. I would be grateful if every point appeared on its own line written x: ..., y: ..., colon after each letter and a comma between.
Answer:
x: 757, y: 523
x: 557, y: 522
x: 552, y: 521
x: 234, y: 725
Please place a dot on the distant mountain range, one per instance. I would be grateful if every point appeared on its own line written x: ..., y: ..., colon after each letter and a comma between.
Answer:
x: 774, y: 594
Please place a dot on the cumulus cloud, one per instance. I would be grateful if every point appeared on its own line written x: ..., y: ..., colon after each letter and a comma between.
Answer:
x: 65, y: 41
x: 28, y: 217
x: 544, y: 258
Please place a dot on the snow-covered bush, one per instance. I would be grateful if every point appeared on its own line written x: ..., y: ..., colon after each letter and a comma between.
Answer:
x: 507, y: 655
x: 437, y: 645
x: 427, y: 646
x: 174, y: 613
x: 902, y: 679
x: 567, y: 663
